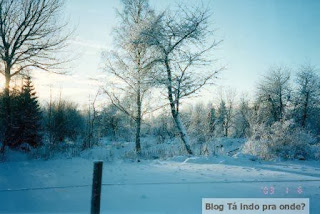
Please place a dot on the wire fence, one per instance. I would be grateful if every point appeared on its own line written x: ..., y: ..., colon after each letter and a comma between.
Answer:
x: 156, y: 183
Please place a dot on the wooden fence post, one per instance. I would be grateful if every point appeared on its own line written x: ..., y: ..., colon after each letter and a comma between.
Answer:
x: 96, y: 187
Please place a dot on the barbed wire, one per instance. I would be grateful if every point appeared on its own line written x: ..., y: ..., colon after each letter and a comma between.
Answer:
x: 157, y: 183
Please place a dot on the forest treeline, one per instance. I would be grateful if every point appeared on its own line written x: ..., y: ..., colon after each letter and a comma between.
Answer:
x: 281, y: 120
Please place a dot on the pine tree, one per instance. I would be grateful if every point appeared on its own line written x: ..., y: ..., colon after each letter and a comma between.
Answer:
x: 30, y: 114
x: 221, y: 119
x: 13, y: 136
x: 242, y: 119
x: 211, y: 120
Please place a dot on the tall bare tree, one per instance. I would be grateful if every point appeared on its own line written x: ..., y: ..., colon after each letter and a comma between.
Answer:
x: 183, y: 39
x: 274, y: 92
x: 243, y: 118
x: 30, y: 34
x: 225, y: 111
x: 131, y: 62
x: 308, y: 92
x: 91, y: 137
x: 230, y: 95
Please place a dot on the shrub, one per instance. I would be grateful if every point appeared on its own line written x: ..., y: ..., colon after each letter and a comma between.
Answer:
x: 280, y: 140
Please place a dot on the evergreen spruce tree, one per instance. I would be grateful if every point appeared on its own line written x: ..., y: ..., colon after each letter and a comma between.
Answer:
x: 221, y: 120
x: 30, y: 114
x: 14, y: 136
x: 211, y: 121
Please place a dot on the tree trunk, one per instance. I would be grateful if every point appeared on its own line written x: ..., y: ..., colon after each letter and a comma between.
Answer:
x: 182, y: 132
x: 138, y: 133
x: 175, y: 113
x: 305, y: 110
x: 138, y: 122
x: 281, y: 113
x: 7, y: 109
x: 226, y: 129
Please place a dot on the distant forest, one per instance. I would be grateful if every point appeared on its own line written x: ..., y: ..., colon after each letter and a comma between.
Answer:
x: 284, y: 114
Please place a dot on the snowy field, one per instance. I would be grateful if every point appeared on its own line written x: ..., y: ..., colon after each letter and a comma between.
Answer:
x: 175, y: 185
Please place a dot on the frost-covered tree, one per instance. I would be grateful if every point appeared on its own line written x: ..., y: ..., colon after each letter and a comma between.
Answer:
x: 274, y: 94
x: 109, y: 122
x: 211, y: 120
x: 307, y: 95
x: 221, y: 118
x: 162, y: 126
x: 281, y: 139
x: 115, y: 124
x: 184, y: 43
x: 129, y: 64
x: 225, y: 112
x: 198, y: 126
x: 229, y: 122
x: 243, y: 119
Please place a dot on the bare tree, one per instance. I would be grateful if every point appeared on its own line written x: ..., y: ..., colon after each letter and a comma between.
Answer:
x: 211, y: 120
x: 182, y: 37
x: 226, y: 111
x: 274, y: 92
x: 131, y: 63
x: 243, y: 118
x: 91, y: 137
x: 230, y: 101
x: 197, y: 125
x: 308, y: 92
x: 30, y: 34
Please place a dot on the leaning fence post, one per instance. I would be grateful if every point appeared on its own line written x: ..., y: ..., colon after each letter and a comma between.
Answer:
x: 96, y: 187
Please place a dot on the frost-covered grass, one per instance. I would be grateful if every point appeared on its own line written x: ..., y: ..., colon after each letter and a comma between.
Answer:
x: 268, y: 143
x: 151, y: 149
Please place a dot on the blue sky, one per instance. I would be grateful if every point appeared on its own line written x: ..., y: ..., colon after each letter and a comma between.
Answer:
x: 259, y: 34
x: 256, y: 34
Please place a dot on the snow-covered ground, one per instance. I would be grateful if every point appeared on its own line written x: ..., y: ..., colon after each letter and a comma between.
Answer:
x: 175, y: 185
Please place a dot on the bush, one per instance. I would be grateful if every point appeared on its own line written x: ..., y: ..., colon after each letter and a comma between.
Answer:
x: 281, y: 140
x: 66, y: 149
x: 316, y: 151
